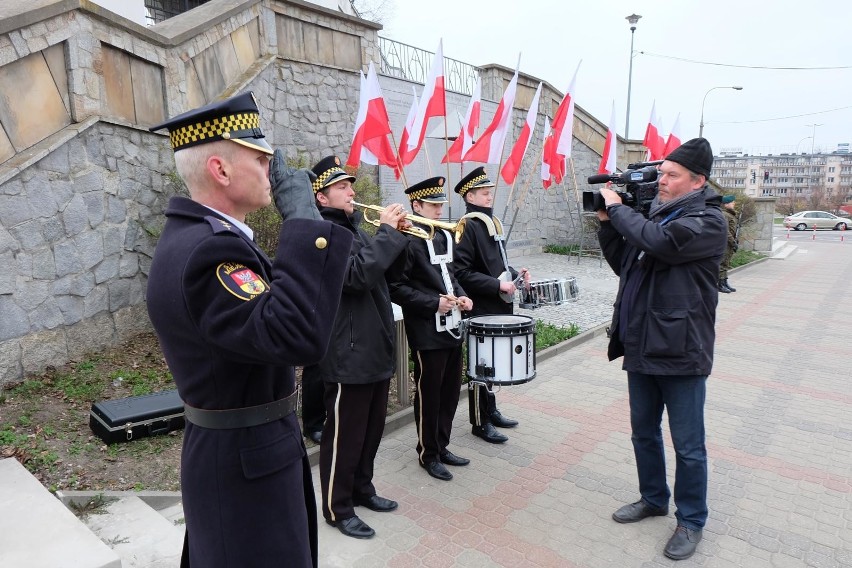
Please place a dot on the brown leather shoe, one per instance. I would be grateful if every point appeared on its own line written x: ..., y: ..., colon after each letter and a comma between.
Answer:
x: 683, y: 542
x: 637, y: 511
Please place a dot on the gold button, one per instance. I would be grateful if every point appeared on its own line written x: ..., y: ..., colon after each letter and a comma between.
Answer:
x: 321, y: 243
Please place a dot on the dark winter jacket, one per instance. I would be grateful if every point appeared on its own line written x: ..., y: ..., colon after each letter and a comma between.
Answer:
x: 362, y: 344
x: 665, y: 312
x: 418, y: 290
x: 478, y: 265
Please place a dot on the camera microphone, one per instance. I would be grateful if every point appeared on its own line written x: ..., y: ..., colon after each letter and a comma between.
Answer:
x: 600, y: 178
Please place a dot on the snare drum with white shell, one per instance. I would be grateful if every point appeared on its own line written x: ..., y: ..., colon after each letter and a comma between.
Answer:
x: 501, y: 349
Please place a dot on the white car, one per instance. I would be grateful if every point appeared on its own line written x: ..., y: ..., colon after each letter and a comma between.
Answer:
x: 804, y: 220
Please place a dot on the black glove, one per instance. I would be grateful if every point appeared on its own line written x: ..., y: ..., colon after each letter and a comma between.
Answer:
x: 291, y: 190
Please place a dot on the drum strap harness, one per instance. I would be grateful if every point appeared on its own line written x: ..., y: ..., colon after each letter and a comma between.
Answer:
x: 452, y: 320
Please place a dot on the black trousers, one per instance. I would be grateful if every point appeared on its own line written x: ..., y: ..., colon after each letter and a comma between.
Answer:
x: 355, y: 422
x: 313, y: 406
x: 481, y: 403
x: 437, y: 377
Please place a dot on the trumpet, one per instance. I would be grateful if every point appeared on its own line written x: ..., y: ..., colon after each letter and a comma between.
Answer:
x: 456, y: 228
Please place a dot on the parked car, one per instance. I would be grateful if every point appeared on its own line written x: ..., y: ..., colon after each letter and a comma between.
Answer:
x: 804, y: 220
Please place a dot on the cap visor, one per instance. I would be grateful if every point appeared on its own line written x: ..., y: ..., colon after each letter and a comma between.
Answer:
x: 258, y: 144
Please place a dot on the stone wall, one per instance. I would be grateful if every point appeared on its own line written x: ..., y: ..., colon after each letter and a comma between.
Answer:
x: 83, y: 184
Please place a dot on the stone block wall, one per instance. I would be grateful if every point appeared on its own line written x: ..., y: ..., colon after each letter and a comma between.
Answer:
x: 83, y: 184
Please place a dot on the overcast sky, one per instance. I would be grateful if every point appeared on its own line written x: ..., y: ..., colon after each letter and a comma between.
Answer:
x: 770, y: 114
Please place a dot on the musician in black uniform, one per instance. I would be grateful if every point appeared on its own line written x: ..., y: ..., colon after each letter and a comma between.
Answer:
x: 480, y: 260
x: 432, y: 301
x: 232, y: 323
x: 360, y: 360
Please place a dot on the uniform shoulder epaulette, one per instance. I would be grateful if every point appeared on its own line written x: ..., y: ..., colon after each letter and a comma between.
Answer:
x: 221, y: 226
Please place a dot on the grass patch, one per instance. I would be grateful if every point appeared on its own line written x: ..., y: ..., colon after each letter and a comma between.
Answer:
x: 743, y: 257
x: 548, y: 334
x: 565, y: 250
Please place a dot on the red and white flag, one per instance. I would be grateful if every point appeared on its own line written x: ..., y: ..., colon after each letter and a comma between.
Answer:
x: 563, y: 132
x: 608, y: 158
x: 654, y: 141
x: 406, y: 156
x: 489, y: 148
x: 462, y: 144
x: 547, y: 141
x: 674, y: 139
x: 370, y: 142
x: 516, y: 156
x: 432, y: 101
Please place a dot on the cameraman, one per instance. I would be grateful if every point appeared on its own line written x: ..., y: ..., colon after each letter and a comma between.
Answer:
x: 663, y: 325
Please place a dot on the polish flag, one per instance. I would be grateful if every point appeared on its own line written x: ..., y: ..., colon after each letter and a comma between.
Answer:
x: 406, y: 156
x: 432, y: 101
x: 608, y: 158
x: 563, y: 132
x: 489, y: 148
x: 654, y: 141
x: 370, y: 142
x: 516, y: 156
x: 674, y: 139
x: 547, y: 142
x: 463, y: 143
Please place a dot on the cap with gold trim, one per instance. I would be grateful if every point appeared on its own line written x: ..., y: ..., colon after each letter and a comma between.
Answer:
x: 474, y: 180
x: 236, y: 119
x: 329, y: 172
x: 429, y: 190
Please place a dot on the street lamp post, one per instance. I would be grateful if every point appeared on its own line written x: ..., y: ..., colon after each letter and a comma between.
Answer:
x: 701, y: 126
x: 800, y: 142
x: 632, y: 18
x: 811, y: 157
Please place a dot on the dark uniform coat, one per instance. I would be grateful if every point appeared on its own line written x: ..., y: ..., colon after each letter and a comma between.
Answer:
x: 478, y: 264
x: 362, y: 344
x: 417, y: 294
x: 231, y: 324
x: 665, y: 310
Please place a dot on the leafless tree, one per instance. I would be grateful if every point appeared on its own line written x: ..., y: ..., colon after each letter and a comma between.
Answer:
x: 377, y: 11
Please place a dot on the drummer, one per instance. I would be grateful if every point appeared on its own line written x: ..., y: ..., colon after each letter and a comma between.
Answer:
x: 432, y: 301
x: 480, y: 260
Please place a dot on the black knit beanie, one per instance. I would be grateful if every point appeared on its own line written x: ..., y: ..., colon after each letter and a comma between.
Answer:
x: 694, y: 155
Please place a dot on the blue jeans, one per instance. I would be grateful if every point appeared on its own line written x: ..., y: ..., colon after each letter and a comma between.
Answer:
x: 683, y: 398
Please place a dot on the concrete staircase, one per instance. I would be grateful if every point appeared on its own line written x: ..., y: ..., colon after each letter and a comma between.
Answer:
x: 76, y: 529
x: 781, y: 249
x: 144, y: 529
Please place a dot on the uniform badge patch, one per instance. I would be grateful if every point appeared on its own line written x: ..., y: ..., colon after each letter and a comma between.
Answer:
x: 240, y: 280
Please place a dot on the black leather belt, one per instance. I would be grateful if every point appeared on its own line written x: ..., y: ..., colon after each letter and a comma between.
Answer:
x: 241, y: 417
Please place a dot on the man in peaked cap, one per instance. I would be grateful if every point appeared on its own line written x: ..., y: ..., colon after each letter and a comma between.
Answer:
x: 326, y: 173
x: 360, y: 360
x: 663, y: 325
x: 483, y: 270
x: 232, y: 323
x: 432, y: 301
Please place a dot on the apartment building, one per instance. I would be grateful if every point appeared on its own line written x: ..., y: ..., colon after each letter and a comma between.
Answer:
x: 792, y: 176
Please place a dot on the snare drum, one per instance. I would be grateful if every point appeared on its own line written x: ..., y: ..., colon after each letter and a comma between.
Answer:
x: 568, y: 289
x: 501, y: 349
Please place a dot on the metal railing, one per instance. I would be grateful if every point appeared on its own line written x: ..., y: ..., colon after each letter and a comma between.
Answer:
x: 404, y: 61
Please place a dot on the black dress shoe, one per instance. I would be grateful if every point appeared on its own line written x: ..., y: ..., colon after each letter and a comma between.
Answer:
x: 437, y: 470
x: 376, y: 503
x: 499, y: 420
x: 450, y: 458
x: 683, y: 542
x: 315, y: 437
x: 488, y: 433
x: 637, y: 511
x: 354, y: 527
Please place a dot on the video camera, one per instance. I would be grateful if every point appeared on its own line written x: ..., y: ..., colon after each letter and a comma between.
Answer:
x: 640, y: 187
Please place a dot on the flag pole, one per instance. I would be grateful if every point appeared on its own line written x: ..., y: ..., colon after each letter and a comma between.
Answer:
x: 522, y: 199
x: 398, y: 161
x: 446, y: 153
x: 503, y: 148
